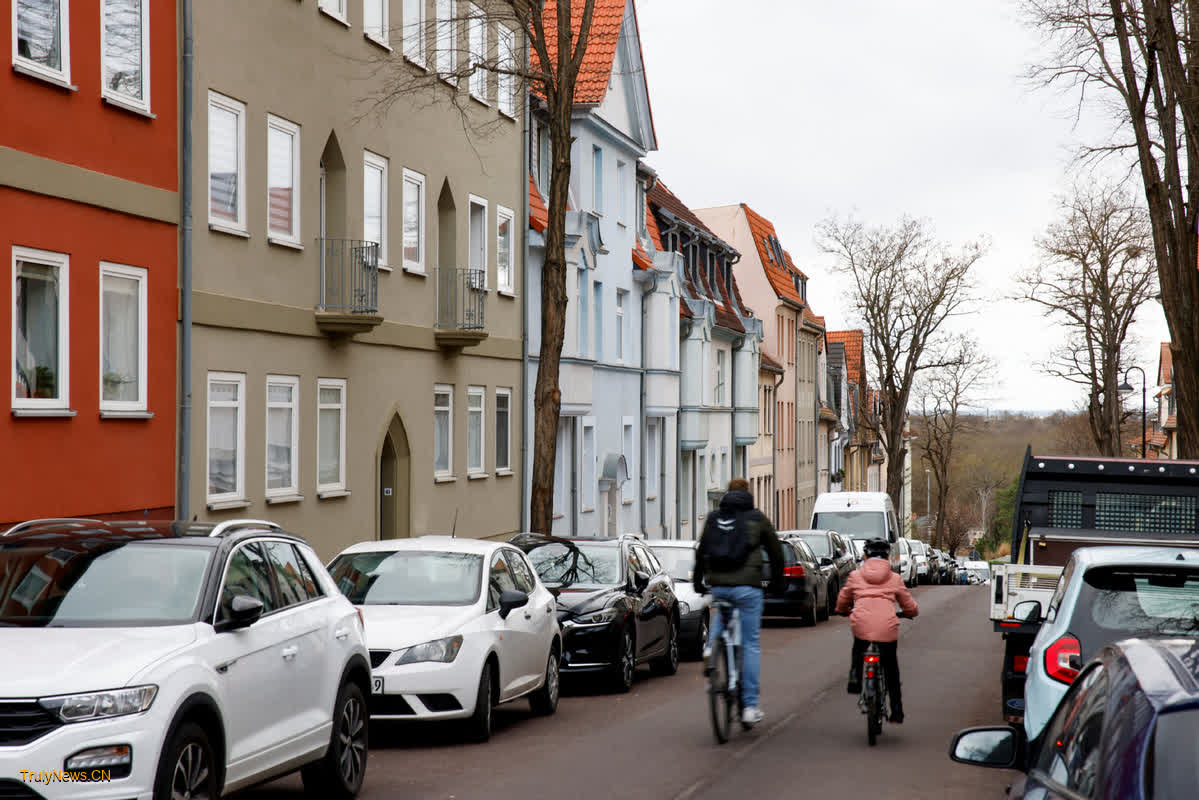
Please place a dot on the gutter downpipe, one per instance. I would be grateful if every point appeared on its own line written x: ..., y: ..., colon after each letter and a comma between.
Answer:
x: 183, y: 478
x: 524, y: 316
x: 774, y: 432
x: 646, y: 293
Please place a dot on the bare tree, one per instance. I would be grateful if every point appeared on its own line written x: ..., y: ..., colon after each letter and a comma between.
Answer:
x: 1096, y: 272
x: 905, y: 286
x: 1142, y: 56
x: 945, y: 396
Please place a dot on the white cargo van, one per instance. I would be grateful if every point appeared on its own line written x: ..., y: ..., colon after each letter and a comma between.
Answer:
x: 859, y: 516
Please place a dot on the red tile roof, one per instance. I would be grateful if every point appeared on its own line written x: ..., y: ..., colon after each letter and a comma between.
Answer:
x: 1171, y: 423
x: 1165, y: 366
x: 768, y: 363
x: 811, y: 317
x: 651, y: 225
x: 641, y: 259
x: 662, y: 197
x: 595, y: 73
x: 781, y: 276
x: 854, y: 347
x: 539, y: 215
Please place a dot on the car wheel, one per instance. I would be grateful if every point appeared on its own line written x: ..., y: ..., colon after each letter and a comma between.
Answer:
x: 188, y: 766
x: 340, y: 772
x: 809, y: 616
x: 479, y: 725
x: 668, y: 662
x: 626, y: 662
x: 544, y: 701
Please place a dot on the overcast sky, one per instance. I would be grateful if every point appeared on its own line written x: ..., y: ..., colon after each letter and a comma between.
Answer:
x: 807, y: 108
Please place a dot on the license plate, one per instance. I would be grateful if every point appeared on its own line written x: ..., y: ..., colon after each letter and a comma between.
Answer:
x: 376, y: 686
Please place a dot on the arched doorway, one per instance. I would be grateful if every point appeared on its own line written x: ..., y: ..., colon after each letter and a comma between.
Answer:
x: 395, y: 472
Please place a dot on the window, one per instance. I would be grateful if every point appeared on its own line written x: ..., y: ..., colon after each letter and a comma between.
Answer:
x: 443, y: 430
x: 503, y: 430
x: 226, y: 162
x: 226, y: 436
x: 674, y: 336
x: 247, y: 573
x: 331, y: 435
x: 598, y: 299
x: 544, y: 151
x: 42, y: 38
x: 582, y: 312
x: 621, y: 294
x: 374, y: 202
x: 477, y: 32
x: 562, y: 472
x: 283, y: 178
x: 125, y: 49
x: 718, y: 393
x: 503, y: 248
x: 122, y: 338
x: 499, y: 580
x: 337, y: 8
x: 627, y: 445
x: 478, y: 241
x: 1071, y: 755
x: 292, y: 575
x: 414, y: 221
x: 587, y: 468
x: 40, y: 329
x: 651, y: 463
x: 506, y: 80
x: 622, y: 185
x: 282, y: 435
x: 686, y: 490
x: 375, y: 23
x: 597, y: 179
x: 522, y: 573
x: 447, y: 47
x: 641, y: 208
x: 414, y: 31
x: 475, y: 400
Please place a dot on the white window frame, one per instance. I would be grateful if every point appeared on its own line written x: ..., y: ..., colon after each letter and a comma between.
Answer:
x: 622, y: 203
x: 621, y: 300
x: 476, y: 25
x: 417, y: 179
x: 414, y: 32
x: 138, y: 274
x: 478, y: 393
x: 652, y: 428
x: 504, y: 467
x: 382, y: 37
x: 239, y: 109
x: 449, y: 461
x: 628, y: 446
x: 597, y: 313
x: 239, y: 491
x: 293, y: 382
x: 376, y: 161
x: 62, y: 263
x: 718, y: 388
x: 293, y: 130
x: 561, y: 467
x: 501, y: 215
x: 597, y: 179
x: 475, y: 200
x: 117, y: 98
x: 62, y: 76
x: 445, y: 57
x: 339, y: 384
x: 334, y: 8
x: 587, y: 466
x: 506, y: 81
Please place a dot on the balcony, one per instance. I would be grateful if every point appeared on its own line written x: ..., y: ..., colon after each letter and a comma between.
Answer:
x: 348, y: 294
x: 461, y: 301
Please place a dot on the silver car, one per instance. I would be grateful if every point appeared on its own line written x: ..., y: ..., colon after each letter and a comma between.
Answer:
x: 678, y: 559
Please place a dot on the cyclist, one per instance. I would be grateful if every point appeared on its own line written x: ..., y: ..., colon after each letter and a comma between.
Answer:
x: 729, y: 557
x: 872, y: 591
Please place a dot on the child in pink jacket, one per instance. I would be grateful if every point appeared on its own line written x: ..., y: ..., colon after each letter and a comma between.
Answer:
x: 872, y: 592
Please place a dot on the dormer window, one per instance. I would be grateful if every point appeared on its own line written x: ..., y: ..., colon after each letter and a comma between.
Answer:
x: 769, y: 254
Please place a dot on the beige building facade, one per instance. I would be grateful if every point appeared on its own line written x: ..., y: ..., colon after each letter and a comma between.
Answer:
x: 357, y: 273
x: 762, y: 454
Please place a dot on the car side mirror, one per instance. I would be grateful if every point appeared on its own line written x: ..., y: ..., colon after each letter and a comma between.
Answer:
x: 998, y: 747
x: 511, y: 599
x: 826, y: 562
x: 1028, y: 611
x: 244, y: 611
x: 640, y: 581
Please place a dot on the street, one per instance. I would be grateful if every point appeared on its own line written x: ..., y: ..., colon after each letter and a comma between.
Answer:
x: 656, y: 741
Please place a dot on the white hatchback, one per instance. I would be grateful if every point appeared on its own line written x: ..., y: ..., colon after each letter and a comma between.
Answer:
x: 163, y: 660
x: 454, y: 627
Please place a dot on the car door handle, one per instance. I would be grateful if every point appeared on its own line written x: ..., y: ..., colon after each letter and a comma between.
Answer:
x: 289, y: 653
x: 341, y: 633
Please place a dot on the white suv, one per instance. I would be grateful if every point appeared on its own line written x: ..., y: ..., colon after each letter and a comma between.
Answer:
x: 160, y: 660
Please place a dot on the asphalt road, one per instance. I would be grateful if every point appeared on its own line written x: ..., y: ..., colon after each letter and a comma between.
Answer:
x: 656, y: 742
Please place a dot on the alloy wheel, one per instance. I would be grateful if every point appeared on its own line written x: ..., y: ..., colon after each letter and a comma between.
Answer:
x: 351, y: 739
x: 552, y: 678
x: 190, y: 779
x: 628, y: 659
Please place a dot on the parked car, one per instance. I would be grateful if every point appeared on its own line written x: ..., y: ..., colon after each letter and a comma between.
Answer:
x: 187, y: 659
x: 1104, y: 594
x: 836, y: 560
x: 454, y: 626
x: 978, y: 572
x: 906, y: 561
x: 1125, y: 729
x: 805, y: 591
x: 695, y: 613
x: 919, y: 559
x: 934, y: 564
x: 616, y: 604
x: 859, y: 550
x: 858, y: 515
x: 949, y: 568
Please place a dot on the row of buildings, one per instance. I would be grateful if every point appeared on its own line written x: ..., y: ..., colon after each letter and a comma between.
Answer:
x: 293, y: 308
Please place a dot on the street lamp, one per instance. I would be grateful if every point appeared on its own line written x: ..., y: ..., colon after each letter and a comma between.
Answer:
x: 1127, y: 387
x: 928, y: 512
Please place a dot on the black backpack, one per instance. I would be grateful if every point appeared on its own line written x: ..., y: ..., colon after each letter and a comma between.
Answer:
x: 728, y: 546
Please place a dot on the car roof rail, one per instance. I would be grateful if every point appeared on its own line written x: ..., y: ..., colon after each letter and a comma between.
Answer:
x: 221, y: 528
x: 30, y: 523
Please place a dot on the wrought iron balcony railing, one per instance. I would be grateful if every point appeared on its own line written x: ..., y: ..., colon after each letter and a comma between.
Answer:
x: 349, y: 278
x: 461, y: 306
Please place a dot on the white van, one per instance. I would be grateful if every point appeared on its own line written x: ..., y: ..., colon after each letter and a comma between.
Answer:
x: 859, y: 516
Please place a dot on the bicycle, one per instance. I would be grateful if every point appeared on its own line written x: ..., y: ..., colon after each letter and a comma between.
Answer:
x: 873, y: 699
x: 723, y: 670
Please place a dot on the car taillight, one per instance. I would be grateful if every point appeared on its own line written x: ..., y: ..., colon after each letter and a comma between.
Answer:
x: 1020, y: 663
x: 794, y: 572
x: 1062, y: 659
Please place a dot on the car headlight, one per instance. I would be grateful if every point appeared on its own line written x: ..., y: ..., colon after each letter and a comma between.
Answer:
x: 598, y: 618
x: 100, y: 705
x: 440, y: 650
x: 684, y: 609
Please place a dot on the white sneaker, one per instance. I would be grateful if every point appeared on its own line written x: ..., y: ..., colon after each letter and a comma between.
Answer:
x: 707, y: 652
x: 752, y: 715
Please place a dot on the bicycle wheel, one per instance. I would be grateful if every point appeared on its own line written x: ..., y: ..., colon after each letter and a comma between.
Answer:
x: 874, y: 715
x: 720, y: 700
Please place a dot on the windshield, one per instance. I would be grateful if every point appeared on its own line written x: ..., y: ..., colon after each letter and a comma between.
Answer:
x: 677, y: 561
x: 579, y: 566
x: 409, y: 578
x: 859, y: 546
x: 918, y: 547
x: 1119, y: 602
x: 114, y: 584
x: 855, y: 524
x: 818, y: 542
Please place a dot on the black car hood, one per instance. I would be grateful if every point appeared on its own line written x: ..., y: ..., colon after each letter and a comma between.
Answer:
x: 573, y: 602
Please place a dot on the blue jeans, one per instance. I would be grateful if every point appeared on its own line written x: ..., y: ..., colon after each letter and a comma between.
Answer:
x: 748, y: 601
